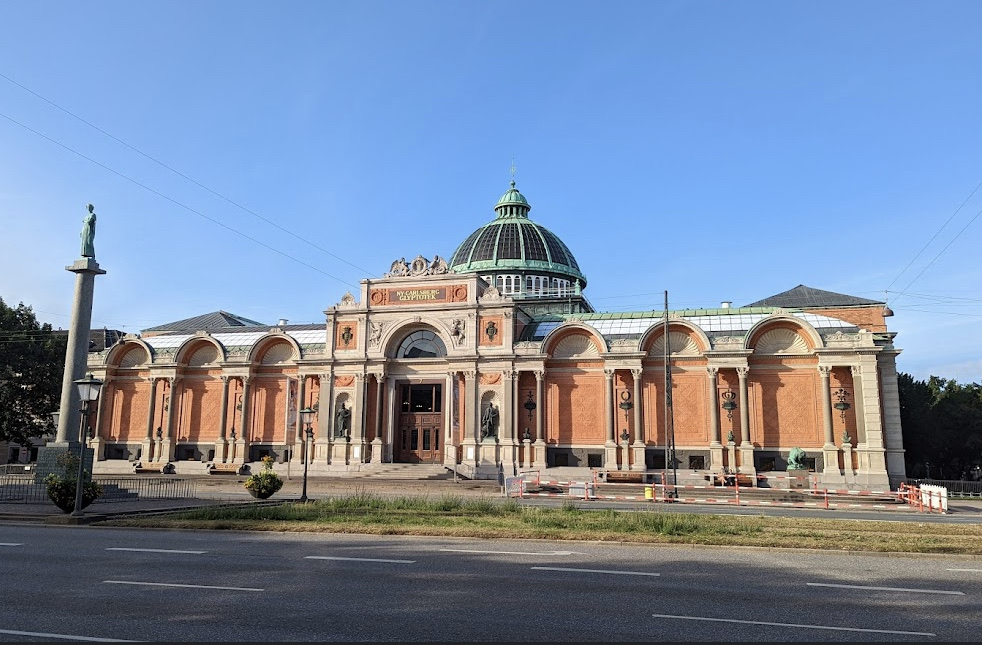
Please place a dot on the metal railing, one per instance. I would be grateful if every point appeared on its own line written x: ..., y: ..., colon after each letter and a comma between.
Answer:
x: 956, y: 487
x: 23, y: 489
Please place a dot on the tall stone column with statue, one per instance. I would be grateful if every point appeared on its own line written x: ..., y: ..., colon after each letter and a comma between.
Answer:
x: 67, y: 437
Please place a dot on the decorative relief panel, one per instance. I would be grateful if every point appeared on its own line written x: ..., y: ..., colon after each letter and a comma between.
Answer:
x: 204, y: 355
x: 575, y: 345
x: 781, y: 341
x: 490, y: 379
x: 344, y: 381
x: 278, y: 353
x: 346, y: 336
x: 679, y: 344
x: 491, y: 331
x: 135, y: 357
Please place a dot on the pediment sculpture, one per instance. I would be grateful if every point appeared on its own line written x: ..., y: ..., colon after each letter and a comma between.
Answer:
x: 420, y: 266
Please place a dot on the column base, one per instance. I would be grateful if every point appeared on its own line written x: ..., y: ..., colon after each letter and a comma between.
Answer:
x: 377, y: 450
x: 716, y: 457
x: 747, y: 465
x: 637, y: 457
x: 540, y: 462
x: 610, y: 456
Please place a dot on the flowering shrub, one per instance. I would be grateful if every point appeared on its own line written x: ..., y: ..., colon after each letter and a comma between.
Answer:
x: 61, y: 488
x: 265, y: 482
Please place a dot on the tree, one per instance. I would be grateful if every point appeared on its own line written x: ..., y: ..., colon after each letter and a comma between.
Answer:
x: 32, y: 361
x: 942, y: 427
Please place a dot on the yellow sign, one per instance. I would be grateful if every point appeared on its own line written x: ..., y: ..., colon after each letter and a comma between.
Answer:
x: 419, y: 294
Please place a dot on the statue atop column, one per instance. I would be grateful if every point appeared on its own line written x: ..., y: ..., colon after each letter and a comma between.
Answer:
x: 88, y: 234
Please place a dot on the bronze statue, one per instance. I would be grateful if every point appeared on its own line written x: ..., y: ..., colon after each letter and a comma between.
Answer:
x: 88, y: 234
x: 341, y: 421
x: 489, y: 421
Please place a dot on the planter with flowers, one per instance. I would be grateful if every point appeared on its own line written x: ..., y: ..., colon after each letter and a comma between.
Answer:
x: 61, y: 488
x: 264, y: 483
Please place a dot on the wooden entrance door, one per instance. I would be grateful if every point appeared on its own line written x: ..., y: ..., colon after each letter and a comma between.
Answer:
x: 420, y: 424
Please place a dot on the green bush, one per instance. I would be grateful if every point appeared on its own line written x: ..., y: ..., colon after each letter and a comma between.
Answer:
x: 265, y: 482
x: 61, y: 488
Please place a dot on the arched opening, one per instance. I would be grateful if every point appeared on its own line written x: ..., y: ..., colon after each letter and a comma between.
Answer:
x: 421, y: 344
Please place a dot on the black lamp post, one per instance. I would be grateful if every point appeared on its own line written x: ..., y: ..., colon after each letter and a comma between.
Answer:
x: 306, y: 417
x: 88, y: 392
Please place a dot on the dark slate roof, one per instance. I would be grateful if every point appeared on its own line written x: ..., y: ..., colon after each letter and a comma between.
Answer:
x: 99, y: 339
x: 803, y: 297
x: 208, y: 322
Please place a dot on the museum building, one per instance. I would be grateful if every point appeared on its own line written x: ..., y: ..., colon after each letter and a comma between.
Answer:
x: 494, y: 361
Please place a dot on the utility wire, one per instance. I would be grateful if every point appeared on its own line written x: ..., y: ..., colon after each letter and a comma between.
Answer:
x: 182, y: 175
x: 177, y: 203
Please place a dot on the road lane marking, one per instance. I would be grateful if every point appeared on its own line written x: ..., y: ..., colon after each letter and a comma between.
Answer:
x: 11, y: 544
x: 512, y: 552
x: 619, y: 573
x: 329, y: 557
x: 67, y: 637
x: 168, y: 584
x: 119, y: 548
x: 938, y: 591
x: 975, y: 570
x: 828, y: 627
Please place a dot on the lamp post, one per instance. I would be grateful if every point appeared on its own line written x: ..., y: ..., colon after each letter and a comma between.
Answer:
x: 88, y: 392
x: 306, y: 417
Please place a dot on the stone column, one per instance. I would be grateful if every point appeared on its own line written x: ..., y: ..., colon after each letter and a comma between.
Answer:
x: 509, y: 417
x: 870, y: 430
x: 610, y: 445
x: 893, y: 441
x: 151, y: 409
x: 242, y: 441
x: 449, y: 447
x: 97, y: 443
x: 746, y: 448
x: 168, y: 445
x: 638, y: 449
x: 378, y: 442
x: 540, y: 462
x: 471, y: 415
x: 830, y: 453
x: 77, y: 351
x: 358, y: 445
x: 715, y: 445
x: 325, y: 419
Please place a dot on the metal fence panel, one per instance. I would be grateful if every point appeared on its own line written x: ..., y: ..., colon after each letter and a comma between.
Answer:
x: 23, y: 489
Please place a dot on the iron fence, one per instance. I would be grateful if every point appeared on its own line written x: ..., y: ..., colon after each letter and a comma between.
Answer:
x: 23, y: 489
x: 956, y: 487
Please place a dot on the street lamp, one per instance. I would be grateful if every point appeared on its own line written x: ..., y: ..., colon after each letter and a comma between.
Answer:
x: 306, y: 417
x: 88, y: 392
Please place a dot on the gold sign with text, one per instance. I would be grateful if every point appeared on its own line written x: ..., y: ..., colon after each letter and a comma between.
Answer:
x: 418, y: 295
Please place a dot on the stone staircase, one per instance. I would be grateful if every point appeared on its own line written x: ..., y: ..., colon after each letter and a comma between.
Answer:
x: 403, y: 471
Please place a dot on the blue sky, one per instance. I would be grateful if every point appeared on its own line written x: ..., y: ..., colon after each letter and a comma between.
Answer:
x: 717, y: 150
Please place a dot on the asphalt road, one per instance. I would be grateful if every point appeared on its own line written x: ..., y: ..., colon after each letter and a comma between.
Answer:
x: 91, y: 583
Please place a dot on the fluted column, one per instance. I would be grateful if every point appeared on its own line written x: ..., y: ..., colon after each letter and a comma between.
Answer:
x: 378, y: 442
x: 610, y: 446
x: 540, y: 460
x: 746, y: 447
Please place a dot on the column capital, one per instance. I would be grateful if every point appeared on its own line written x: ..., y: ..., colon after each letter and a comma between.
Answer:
x: 510, y: 375
x: 470, y: 375
x: 825, y: 370
x: 636, y: 372
x: 609, y: 373
x: 742, y: 372
x: 540, y: 374
x: 712, y: 371
x: 856, y: 370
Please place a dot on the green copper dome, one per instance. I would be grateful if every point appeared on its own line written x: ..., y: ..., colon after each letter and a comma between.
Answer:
x: 513, y: 243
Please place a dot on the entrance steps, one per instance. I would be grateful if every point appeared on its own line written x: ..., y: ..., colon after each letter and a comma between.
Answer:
x: 402, y: 471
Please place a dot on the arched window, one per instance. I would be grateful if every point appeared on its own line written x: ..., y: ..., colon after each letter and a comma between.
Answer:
x: 421, y: 344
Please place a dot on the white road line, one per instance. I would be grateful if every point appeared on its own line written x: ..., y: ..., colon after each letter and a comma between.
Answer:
x: 619, y: 573
x: 510, y: 552
x: 939, y: 591
x: 11, y: 544
x: 67, y: 637
x: 119, y: 548
x: 328, y: 557
x: 761, y: 622
x: 168, y: 584
x: 975, y: 570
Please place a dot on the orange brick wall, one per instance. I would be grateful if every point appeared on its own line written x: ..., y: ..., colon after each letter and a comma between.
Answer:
x: 201, y: 409
x: 125, y: 418
x: 575, y: 408
x: 785, y: 409
x: 869, y: 318
x: 268, y: 423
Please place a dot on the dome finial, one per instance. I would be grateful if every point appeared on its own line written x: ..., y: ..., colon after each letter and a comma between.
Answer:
x: 512, y: 170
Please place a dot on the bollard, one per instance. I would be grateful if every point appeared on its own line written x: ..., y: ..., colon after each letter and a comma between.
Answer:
x: 649, y: 493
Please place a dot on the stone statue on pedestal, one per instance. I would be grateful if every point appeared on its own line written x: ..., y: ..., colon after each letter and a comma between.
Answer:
x: 88, y: 234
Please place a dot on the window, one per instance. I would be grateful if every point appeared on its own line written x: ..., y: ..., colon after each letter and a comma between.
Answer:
x: 421, y: 344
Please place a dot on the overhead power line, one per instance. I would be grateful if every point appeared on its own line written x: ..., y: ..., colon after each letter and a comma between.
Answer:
x: 183, y: 175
